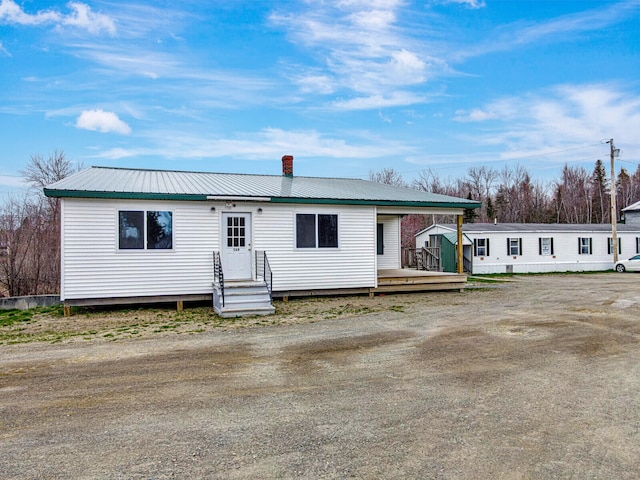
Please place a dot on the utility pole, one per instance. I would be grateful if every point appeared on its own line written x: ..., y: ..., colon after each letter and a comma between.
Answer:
x: 614, y: 211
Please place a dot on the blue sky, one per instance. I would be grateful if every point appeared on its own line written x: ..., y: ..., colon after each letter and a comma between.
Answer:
x: 345, y: 86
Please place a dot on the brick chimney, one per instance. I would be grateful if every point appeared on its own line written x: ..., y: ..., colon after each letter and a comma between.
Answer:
x: 287, y: 165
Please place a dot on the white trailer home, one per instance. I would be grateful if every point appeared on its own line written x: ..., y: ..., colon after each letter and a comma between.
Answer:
x: 138, y: 236
x: 536, y: 248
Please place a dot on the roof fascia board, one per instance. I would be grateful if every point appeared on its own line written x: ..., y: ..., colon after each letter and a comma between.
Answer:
x: 122, y: 195
x: 197, y: 197
x: 379, y: 203
x: 421, y: 210
x: 238, y: 198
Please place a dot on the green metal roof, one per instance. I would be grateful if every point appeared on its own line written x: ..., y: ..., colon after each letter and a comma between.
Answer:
x: 125, y: 183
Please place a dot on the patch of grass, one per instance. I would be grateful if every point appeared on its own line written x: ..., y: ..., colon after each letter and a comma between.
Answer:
x: 9, y: 317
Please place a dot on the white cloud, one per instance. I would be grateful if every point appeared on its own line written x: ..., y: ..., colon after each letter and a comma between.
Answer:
x: 559, y: 118
x: 11, y: 12
x: 102, y: 121
x: 395, y: 99
x: 475, y: 4
x: 322, y: 84
x: 363, y: 50
x: 4, y: 50
x: 81, y: 17
x: 268, y: 143
x: 557, y: 29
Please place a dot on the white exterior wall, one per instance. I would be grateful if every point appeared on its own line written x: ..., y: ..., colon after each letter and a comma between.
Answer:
x: 93, y: 267
x: 565, y: 256
x: 351, y: 265
x: 391, y: 259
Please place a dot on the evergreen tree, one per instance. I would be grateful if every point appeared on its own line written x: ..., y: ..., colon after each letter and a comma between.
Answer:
x: 470, y: 214
x: 624, y: 190
x: 599, y: 200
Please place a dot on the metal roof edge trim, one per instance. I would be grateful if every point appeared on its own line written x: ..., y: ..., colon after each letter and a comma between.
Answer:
x: 122, y: 195
x: 198, y: 197
x: 238, y: 198
x: 381, y: 203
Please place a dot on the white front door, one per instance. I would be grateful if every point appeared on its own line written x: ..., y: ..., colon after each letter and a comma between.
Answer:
x: 236, y: 246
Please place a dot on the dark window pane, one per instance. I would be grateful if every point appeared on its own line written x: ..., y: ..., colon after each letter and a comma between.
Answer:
x: 242, y: 242
x: 130, y: 230
x: 380, y: 239
x: 242, y: 221
x: 159, y: 230
x: 305, y: 230
x: 229, y: 242
x: 328, y: 231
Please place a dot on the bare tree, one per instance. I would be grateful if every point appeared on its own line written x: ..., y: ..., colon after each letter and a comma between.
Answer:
x: 29, y: 248
x: 388, y: 176
x: 30, y: 231
x: 573, y: 201
x: 40, y: 172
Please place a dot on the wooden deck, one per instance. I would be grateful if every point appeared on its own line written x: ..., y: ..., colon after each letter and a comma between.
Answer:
x: 408, y: 280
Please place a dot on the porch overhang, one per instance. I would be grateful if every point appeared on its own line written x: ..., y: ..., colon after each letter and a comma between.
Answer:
x: 409, y: 210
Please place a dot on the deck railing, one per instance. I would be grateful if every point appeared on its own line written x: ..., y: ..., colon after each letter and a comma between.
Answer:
x: 429, y: 258
x: 218, y: 276
x: 425, y: 258
x: 263, y: 269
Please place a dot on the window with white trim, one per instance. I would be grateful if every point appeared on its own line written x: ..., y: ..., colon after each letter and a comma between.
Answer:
x: 585, y: 245
x: 637, y: 244
x: 514, y: 246
x: 480, y: 247
x: 610, y: 245
x: 545, y: 246
x: 315, y: 230
x: 145, y: 230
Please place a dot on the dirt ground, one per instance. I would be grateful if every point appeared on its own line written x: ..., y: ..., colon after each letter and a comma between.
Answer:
x: 536, y: 378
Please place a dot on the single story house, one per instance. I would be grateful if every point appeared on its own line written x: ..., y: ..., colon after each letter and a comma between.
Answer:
x: 539, y: 247
x: 139, y: 236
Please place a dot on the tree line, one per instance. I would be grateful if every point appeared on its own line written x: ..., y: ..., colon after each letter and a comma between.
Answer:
x: 30, y: 231
x: 511, y: 195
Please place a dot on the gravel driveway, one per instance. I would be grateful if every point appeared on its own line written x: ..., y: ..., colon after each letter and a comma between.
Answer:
x: 537, y: 378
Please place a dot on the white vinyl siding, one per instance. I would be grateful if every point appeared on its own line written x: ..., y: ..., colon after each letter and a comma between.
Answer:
x: 351, y: 265
x: 93, y: 267
x: 565, y: 252
x: 390, y: 259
